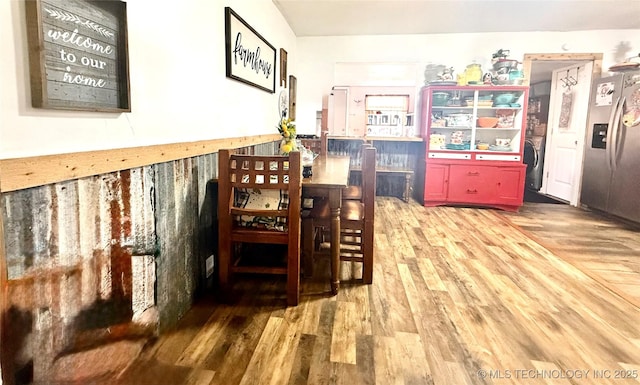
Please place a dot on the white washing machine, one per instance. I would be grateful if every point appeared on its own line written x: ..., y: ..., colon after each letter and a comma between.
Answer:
x: 534, y: 159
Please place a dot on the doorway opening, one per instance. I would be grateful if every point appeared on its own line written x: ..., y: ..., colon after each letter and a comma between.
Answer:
x: 539, y: 70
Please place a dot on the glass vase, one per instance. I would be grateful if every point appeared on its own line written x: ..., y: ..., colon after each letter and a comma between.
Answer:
x: 286, y: 146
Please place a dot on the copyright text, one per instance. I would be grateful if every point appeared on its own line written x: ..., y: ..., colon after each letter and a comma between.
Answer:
x: 558, y: 373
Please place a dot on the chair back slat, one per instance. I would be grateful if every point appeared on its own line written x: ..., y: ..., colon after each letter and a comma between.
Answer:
x: 369, y: 200
x: 368, y: 180
x: 253, y: 171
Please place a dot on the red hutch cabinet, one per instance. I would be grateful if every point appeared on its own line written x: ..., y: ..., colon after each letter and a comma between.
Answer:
x: 474, y: 139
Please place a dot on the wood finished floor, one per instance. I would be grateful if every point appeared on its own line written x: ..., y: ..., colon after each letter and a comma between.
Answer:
x: 460, y: 296
x: 604, y: 248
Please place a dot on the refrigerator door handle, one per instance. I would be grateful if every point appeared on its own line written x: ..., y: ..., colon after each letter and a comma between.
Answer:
x: 608, y: 144
x: 615, y: 137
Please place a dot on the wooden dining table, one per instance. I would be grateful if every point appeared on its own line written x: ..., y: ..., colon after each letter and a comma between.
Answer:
x: 330, y: 176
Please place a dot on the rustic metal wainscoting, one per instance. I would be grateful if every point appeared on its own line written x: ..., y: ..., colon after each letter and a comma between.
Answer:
x: 71, y: 249
x: 391, y: 154
x: 105, y: 258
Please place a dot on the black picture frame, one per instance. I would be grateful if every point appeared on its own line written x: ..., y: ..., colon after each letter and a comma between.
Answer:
x: 250, y: 58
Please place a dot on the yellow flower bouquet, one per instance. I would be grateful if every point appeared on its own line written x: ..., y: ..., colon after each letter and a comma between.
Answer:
x: 287, y: 129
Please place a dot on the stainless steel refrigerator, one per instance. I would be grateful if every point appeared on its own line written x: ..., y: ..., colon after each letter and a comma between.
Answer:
x: 611, y: 176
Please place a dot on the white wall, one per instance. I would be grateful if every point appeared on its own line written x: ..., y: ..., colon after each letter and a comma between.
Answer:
x: 179, y: 90
x: 317, y: 56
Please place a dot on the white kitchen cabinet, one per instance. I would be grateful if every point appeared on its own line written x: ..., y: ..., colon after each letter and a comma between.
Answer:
x: 380, y: 111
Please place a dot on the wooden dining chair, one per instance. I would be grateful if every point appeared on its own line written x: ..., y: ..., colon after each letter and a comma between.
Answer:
x: 259, y: 200
x: 354, y: 191
x: 357, y: 219
x: 324, y: 142
x: 315, y: 144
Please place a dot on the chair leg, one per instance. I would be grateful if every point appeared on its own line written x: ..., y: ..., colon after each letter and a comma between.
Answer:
x: 293, y: 277
x: 224, y: 257
x: 307, y: 247
x: 367, y: 254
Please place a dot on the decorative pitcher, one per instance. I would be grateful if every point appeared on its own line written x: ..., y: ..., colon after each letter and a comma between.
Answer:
x: 473, y: 74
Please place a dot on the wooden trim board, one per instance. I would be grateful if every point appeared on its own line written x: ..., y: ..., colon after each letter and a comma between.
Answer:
x: 21, y: 173
x: 530, y: 57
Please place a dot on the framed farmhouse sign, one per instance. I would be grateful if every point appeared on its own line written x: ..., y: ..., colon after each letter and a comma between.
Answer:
x: 78, y: 55
x: 250, y: 58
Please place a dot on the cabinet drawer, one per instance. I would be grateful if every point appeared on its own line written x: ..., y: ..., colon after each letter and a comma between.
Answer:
x: 471, y: 183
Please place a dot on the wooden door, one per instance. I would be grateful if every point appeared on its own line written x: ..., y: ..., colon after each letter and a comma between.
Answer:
x: 568, y: 110
x: 357, y: 120
x: 338, y: 111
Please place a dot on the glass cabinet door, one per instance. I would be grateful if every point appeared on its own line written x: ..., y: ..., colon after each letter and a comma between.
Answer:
x: 480, y: 120
x: 499, y: 120
x: 452, y: 120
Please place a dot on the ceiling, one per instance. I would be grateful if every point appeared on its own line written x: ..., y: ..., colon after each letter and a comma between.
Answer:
x: 392, y: 17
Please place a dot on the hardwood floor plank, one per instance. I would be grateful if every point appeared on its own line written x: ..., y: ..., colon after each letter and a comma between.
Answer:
x: 400, y: 245
x: 201, y: 345
x: 392, y: 296
x: 232, y: 360
x: 302, y: 360
x: 237, y: 328
x: 280, y: 358
x: 386, y: 357
x: 457, y: 375
x: 346, y: 374
x: 430, y: 275
x: 359, y: 295
x: 311, y: 317
x: 410, y: 289
x: 481, y: 278
x: 365, y: 361
x: 260, y: 369
x: 322, y: 370
x: 200, y: 377
x: 170, y: 347
x: 343, y: 339
x: 327, y: 316
x: 414, y: 364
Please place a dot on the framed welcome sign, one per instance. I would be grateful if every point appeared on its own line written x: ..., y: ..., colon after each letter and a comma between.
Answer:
x: 78, y: 55
x: 250, y: 58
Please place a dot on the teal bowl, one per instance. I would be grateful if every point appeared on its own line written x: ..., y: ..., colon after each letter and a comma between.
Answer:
x: 440, y: 98
x: 506, y: 98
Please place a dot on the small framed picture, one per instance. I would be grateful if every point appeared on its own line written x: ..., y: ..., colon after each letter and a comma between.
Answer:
x: 372, y: 120
x: 383, y: 119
